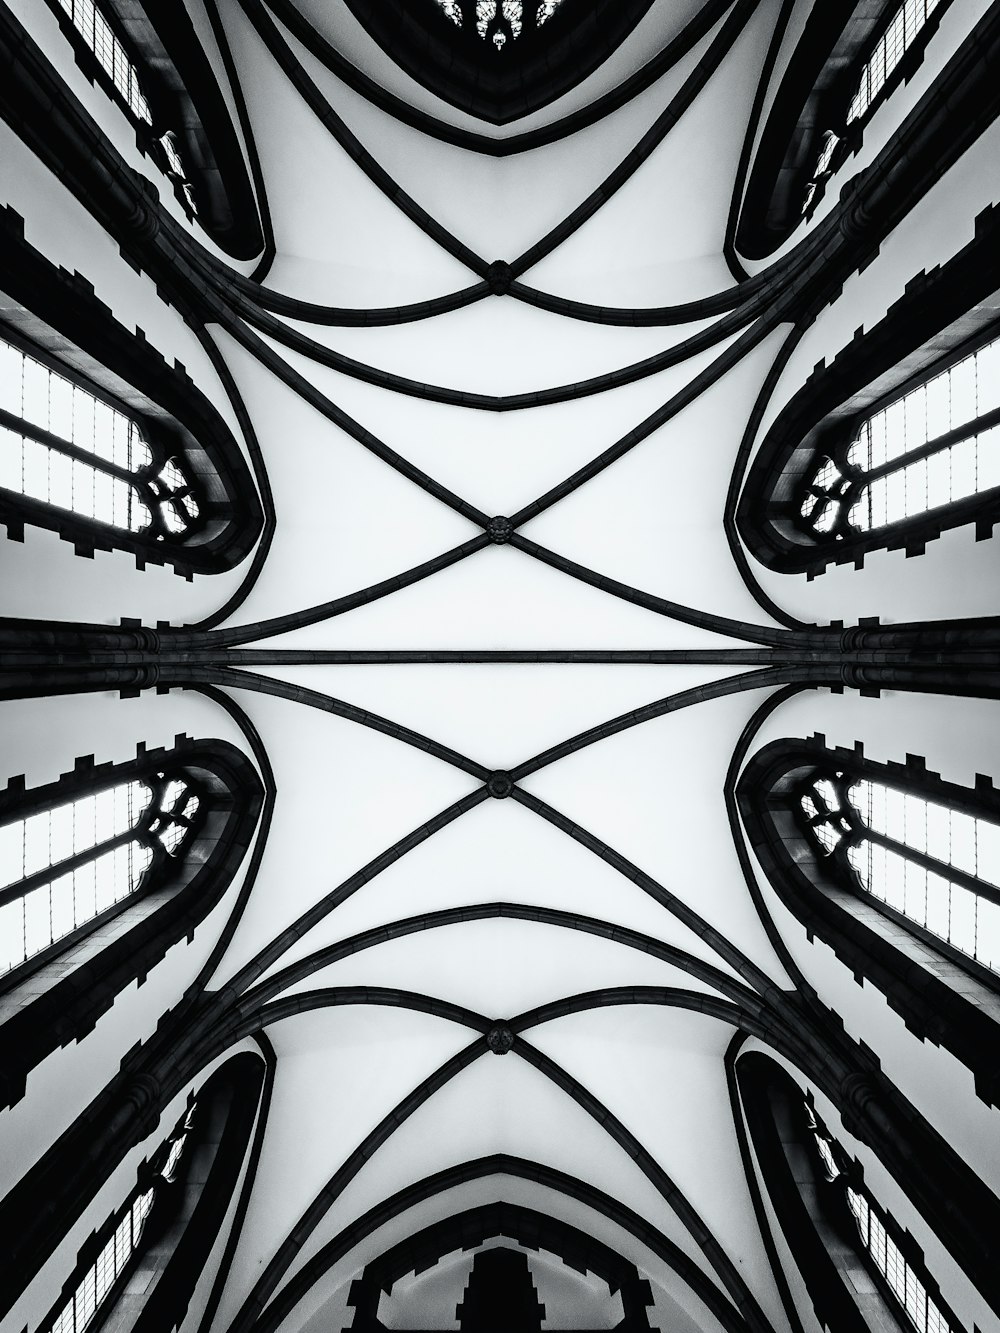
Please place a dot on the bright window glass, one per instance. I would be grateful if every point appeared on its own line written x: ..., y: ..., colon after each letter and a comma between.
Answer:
x: 900, y: 35
x: 99, y: 36
x: 119, y: 827
x: 924, y: 891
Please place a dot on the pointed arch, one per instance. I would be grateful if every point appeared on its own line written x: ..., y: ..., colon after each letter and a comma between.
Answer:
x: 170, y: 829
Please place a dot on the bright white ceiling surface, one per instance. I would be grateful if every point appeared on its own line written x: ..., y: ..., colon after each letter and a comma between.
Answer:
x: 624, y: 842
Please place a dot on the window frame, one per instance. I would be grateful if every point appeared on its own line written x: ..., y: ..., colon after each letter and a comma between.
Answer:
x: 163, y: 870
x: 835, y: 443
x: 939, y: 992
x: 148, y: 134
x: 47, y: 514
x: 80, y: 977
x: 941, y: 317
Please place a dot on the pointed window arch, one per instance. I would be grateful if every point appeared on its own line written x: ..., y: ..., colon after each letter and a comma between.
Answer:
x: 861, y: 1269
x: 898, y: 871
x: 64, y: 867
x: 892, y: 442
x: 102, y: 1281
x: 104, y: 442
x: 934, y: 865
x: 64, y: 444
x: 102, y: 35
x: 937, y: 445
x: 140, y: 1267
x: 103, y: 871
x: 869, y: 85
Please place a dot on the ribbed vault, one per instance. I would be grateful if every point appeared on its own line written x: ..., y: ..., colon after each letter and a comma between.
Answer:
x: 499, y: 657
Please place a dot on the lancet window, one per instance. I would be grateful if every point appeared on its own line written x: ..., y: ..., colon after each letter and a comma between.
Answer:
x: 63, y: 867
x: 874, y: 1236
x: 62, y: 444
x: 103, y: 41
x: 903, y: 29
x: 102, y: 1281
x: 935, y: 445
x: 937, y: 866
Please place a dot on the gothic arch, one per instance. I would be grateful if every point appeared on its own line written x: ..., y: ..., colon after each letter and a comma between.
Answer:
x: 58, y: 993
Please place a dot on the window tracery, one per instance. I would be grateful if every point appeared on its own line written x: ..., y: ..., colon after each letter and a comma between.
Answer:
x: 499, y: 21
x: 937, y: 444
x: 64, y: 446
x: 64, y: 866
x: 101, y: 1283
x: 937, y: 866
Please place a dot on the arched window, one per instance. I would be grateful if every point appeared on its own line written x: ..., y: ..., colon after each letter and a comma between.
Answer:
x: 868, y: 86
x: 151, y: 61
x: 143, y: 1264
x: 934, y: 865
x: 102, y: 1281
x: 63, y: 867
x: 102, y: 872
x: 898, y: 871
x: 499, y: 21
x: 103, y: 441
x: 858, y: 1264
x: 849, y: 58
x: 875, y: 1236
x: 104, y: 39
x: 936, y: 444
x: 893, y: 441
x: 62, y: 443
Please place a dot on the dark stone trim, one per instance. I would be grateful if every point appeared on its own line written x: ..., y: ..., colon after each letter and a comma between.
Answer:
x: 936, y: 320
x: 542, y: 64
x: 812, y: 97
x: 931, y: 1008
x: 69, y: 1007
x: 532, y: 1229
x: 352, y: 77
x: 59, y: 314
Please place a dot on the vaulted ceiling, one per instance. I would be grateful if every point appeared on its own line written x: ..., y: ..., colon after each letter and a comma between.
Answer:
x: 499, y: 653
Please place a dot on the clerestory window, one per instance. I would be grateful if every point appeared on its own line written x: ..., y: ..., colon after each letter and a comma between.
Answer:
x: 866, y: 89
x: 937, y: 866
x: 63, y: 867
x: 102, y: 40
x: 875, y: 1236
x: 936, y: 445
x: 63, y: 445
x: 102, y: 1281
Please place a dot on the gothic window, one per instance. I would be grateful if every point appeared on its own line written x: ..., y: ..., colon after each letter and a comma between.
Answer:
x: 868, y: 87
x: 121, y: 1244
x: 897, y: 871
x: 860, y: 1268
x: 935, y: 445
x: 103, y: 871
x: 62, y: 444
x: 937, y: 866
x: 100, y: 36
x: 63, y: 867
x: 875, y: 1235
